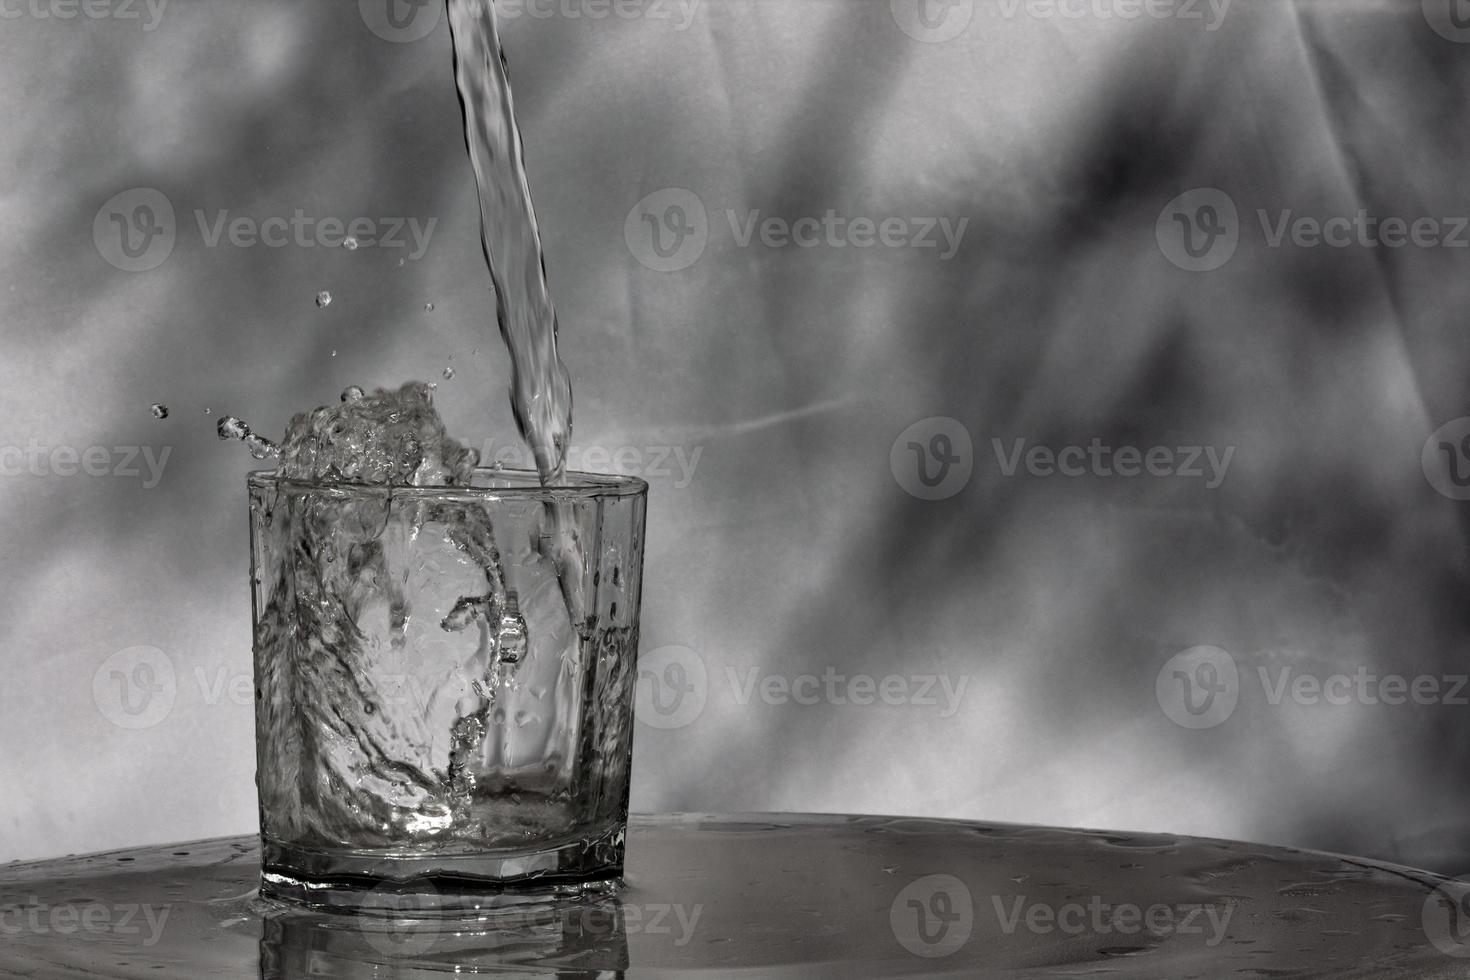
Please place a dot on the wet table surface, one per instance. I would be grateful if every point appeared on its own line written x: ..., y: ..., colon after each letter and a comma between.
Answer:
x: 777, y: 896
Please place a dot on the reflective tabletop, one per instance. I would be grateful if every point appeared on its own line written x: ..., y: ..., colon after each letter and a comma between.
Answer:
x: 776, y: 895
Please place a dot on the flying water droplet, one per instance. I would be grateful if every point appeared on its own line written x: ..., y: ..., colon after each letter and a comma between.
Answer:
x: 323, y: 299
x: 350, y: 243
x: 159, y: 411
x: 353, y: 393
x: 449, y: 374
x: 230, y: 427
x: 428, y: 307
x: 259, y: 446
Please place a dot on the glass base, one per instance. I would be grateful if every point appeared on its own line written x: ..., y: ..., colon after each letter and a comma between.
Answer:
x: 417, y: 885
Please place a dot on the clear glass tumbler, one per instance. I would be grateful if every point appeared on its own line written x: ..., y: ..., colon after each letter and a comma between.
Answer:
x: 444, y: 687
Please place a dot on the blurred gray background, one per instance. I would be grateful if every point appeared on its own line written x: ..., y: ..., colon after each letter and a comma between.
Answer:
x: 1008, y: 651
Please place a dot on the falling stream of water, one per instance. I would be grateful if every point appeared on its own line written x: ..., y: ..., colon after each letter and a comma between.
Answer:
x: 541, y: 390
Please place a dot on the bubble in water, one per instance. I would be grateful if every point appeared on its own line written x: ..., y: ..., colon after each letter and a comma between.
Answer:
x: 350, y: 243
x: 465, y: 611
x: 511, y: 641
x: 323, y: 299
x: 159, y: 411
x: 448, y: 374
x: 353, y: 393
x: 232, y: 428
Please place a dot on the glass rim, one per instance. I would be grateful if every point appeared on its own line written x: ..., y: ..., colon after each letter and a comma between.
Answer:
x: 580, y: 486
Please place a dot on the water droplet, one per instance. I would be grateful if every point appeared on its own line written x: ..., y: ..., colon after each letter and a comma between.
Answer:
x: 159, y: 411
x: 334, y: 353
x: 232, y: 428
x: 402, y: 262
x: 353, y: 393
x: 323, y: 299
x: 448, y: 374
x: 209, y: 411
x: 259, y: 447
x: 350, y: 243
x: 428, y: 307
